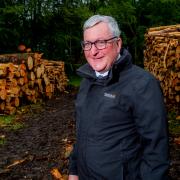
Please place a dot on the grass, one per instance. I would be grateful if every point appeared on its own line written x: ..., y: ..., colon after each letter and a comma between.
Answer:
x: 17, y: 126
x: 8, y: 122
x: 74, y: 80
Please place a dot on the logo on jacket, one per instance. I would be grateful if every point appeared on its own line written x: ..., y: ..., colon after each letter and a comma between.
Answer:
x: 112, y: 96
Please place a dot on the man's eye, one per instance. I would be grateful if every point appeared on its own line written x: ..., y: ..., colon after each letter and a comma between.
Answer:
x: 87, y: 44
x: 100, y: 42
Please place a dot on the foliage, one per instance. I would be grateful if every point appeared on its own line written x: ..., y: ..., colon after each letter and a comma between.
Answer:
x: 9, y: 122
x: 55, y: 27
x: 74, y: 81
x: 6, y: 120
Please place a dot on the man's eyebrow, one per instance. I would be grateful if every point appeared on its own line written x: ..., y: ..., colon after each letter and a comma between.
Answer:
x: 95, y: 40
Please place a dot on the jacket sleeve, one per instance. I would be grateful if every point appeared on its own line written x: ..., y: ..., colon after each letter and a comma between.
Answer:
x: 72, y: 162
x: 151, y: 122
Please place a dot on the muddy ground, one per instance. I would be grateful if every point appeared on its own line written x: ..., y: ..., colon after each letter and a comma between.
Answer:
x: 43, y: 143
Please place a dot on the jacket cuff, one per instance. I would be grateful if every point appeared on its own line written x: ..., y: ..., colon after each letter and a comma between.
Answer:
x: 73, y: 169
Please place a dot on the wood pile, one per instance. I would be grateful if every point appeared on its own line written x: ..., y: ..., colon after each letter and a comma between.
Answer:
x: 162, y: 58
x: 26, y: 77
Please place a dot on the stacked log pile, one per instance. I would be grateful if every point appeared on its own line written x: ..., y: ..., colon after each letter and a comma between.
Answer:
x: 26, y: 77
x: 162, y: 58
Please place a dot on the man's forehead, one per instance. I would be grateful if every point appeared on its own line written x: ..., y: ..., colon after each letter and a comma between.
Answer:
x: 99, y: 31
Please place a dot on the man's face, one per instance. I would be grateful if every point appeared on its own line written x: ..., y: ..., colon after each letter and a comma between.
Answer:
x: 101, y: 60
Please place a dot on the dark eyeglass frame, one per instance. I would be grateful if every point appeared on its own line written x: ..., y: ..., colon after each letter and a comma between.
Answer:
x: 104, y: 43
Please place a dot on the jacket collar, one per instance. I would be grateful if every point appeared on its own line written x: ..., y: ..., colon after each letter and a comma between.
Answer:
x: 124, y: 62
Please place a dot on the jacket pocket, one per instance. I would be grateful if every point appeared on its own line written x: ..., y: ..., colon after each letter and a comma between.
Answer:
x: 105, y: 170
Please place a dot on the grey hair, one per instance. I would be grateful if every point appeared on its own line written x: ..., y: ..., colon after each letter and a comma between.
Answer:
x: 112, y: 23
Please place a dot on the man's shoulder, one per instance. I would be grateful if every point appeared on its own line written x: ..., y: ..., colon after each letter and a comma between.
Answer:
x: 141, y: 77
x: 141, y: 73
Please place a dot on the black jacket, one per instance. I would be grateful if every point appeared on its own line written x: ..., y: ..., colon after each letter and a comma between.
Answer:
x: 121, y: 125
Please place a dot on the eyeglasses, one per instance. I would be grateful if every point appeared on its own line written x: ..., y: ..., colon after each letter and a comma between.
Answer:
x: 99, y: 44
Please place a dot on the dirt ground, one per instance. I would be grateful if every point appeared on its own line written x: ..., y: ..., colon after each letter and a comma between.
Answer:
x: 42, y: 145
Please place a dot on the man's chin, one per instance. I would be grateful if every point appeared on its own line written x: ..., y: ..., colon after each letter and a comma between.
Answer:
x: 98, y: 68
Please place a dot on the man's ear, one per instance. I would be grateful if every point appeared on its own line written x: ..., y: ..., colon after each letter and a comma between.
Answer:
x: 119, y: 44
x: 119, y: 41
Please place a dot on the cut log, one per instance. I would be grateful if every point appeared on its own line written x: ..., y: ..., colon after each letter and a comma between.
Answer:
x: 31, y: 84
x: 2, y: 83
x: 32, y: 98
x: 164, y: 27
x: 29, y: 77
x: 13, y: 91
x: 2, y: 106
x: 49, y: 95
x: 3, y: 70
x: 9, y: 110
x: 32, y: 76
x: 3, y: 94
x: 46, y: 79
x: 177, y: 98
x: 29, y: 92
x: 11, y: 82
x: 21, y: 81
x: 38, y: 72
x: 30, y: 63
x: 162, y: 58
x: 50, y: 88
x: 23, y: 73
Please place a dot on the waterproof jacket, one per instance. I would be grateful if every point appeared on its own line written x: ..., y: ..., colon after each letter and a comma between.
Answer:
x: 121, y: 125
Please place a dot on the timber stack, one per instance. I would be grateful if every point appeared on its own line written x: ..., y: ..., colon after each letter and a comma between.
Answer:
x: 26, y: 77
x: 162, y: 58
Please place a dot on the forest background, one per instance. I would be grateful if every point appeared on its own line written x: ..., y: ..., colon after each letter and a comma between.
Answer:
x: 54, y: 27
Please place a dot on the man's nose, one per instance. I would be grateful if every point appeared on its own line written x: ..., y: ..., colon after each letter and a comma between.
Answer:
x: 94, y: 49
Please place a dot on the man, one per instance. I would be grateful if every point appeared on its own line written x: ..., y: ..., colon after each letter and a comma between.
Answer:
x: 120, y: 114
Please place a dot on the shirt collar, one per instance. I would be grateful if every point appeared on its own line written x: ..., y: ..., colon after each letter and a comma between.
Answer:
x: 101, y: 74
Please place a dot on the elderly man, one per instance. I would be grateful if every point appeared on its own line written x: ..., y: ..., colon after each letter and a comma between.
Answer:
x: 120, y: 114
